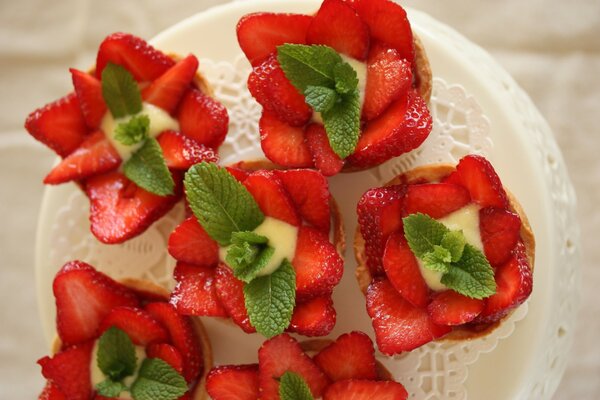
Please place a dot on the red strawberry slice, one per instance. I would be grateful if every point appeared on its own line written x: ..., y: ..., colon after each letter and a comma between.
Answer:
x: 318, y: 265
x: 451, y: 308
x: 325, y: 159
x: 84, y: 297
x: 230, y: 291
x: 281, y: 354
x: 96, y: 155
x: 337, y: 25
x: 398, y: 325
x: 181, y: 152
x: 259, y: 34
x: 477, y: 175
x: 401, y: 128
x: 89, y: 93
x: 167, y: 353
x: 389, y: 77
x: 59, y: 125
x: 202, y: 118
x: 195, y: 293
x: 284, y: 144
x: 272, y: 89
x: 379, y: 215
x: 238, y: 173
x: 143, y: 61
x: 272, y: 198
x: 309, y: 192
x: 120, y: 209
x: 69, y: 371
x: 141, y: 328
x: 402, y: 269
x: 514, y: 282
x: 314, y: 317
x: 500, y: 231
x: 388, y: 23
x: 435, y: 199
x: 351, y: 356
x: 365, y: 390
x: 190, y: 243
x: 233, y: 382
x: 167, y: 90
x: 51, y: 392
x: 183, y: 337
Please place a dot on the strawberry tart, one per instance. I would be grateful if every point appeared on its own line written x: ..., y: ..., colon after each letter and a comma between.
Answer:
x: 443, y: 252
x: 127, y: 132
x: 344, y: 89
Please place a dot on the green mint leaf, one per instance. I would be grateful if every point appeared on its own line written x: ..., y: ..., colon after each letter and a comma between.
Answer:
x: 270, y: 300
x: 306, y: 65
x: 472, y: 276
x: 148, y: 169
x: 438, y: 260
x: 221, y: 203
x: 246, y: 270
x: 116, y: 354
x: 120, y: 91
x: 110, y: 389
x: 157, y: 380
x: 249, y: 237
x: 422, y: 233
x: 320, y: 98
x: 342, y: 124
x: 346, y: 79
x: 293, y: 387
x: 454, y: 242
x: 133, y: 131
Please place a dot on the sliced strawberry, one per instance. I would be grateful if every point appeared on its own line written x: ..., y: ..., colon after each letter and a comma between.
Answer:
x: 379, y: 215
x: 271, y: 196
x: 233, y: 382
x: 190, y: 243
x: 284, y: 144
x: 337, y: 25
x: 181, y: 152
x: 398, y: 325
x: 96, y: 155
x: 143, y: 61
x: 401, y: 128
x: 451, y: 308
x: 141, y: 328
x: 202, y: 118
x: 514, y: 282
x: 388, y: 23
x: 477, y: 175
x: 402, y: 269
x: 183, y: 337
x: 318, y: 265
x: 351, y: 356
x: 84, y: 297
x: 281, y: 354
x: 500, y: 231
x: 259, y: 34
x: 195, y: 293
x: 167, y: 353
x: 389, y: 77
x: 89, y: 93
x: 435, y: 199
x: 120, y: 209
x: 238, y: 173
x: 309, y: 191
x: 59, y: 125
x: 270, y: 87
x: 69, y: 370
x: 314, y: 317
x: 51, y: 392
x: 365, y: 390
x: 325, y: 159
x: 231, y: 295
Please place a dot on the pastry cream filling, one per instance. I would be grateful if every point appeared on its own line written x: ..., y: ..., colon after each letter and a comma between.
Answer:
x: 98, y: 376
x: 465, y: 219
x: 282, y: 237
x: 160, y: 121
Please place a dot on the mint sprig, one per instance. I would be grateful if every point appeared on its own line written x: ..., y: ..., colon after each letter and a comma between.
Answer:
x: 133, y: 131
x: 465, y: 269
x: 248, y: 254
x: 120, y: 91
x: 116, y: 354
x: 148, y: 169
x: 293, y: 387
x: 110, y: 389
x: 157, y: 380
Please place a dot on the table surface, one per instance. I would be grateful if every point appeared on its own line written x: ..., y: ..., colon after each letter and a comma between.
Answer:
x: 555, y: 60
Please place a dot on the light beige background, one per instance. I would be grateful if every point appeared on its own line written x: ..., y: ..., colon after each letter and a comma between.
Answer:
x: 552, y: 48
